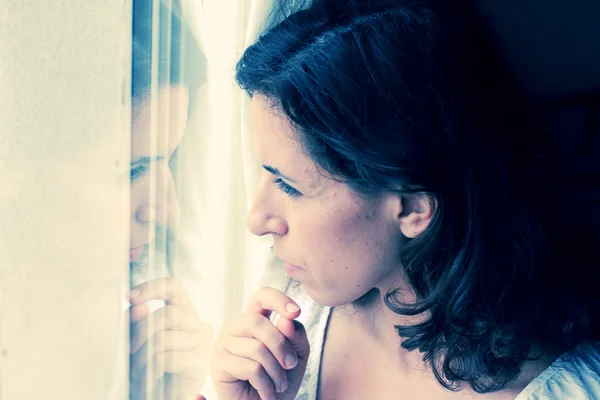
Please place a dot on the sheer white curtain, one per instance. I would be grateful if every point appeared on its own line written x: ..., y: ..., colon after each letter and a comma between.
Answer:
x: 214, y: 256
x: 217, y: 171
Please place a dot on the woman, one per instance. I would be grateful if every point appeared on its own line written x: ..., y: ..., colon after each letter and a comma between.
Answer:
x: 406, y: 192
x: 167, y: 341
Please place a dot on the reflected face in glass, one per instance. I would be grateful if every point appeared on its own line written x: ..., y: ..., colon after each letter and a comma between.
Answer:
x: 336, y: 243
x: 157, y: 130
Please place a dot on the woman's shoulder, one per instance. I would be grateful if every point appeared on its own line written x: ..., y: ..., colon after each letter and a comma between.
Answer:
x: 574, y: 375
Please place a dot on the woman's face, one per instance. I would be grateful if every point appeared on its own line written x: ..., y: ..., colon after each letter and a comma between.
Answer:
x: 336, y: 243
x: 153, y: 196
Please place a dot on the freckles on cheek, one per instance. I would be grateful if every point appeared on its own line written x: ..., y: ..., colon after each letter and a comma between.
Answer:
x: 357, y: 228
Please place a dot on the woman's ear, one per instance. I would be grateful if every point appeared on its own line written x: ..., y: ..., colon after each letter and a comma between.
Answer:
x: 416, y: 212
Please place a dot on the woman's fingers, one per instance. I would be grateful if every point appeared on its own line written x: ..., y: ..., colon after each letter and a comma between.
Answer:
x: 255, y: 338
x: 232, y: 369
x: 253, y: 358
x: 167, y: 289
x: 266, y: 300
x: 187, y: 347
x: 168, y: 318
x: 259, y: 327
x: 161, y: 342
x: 254, y: 350
x: 171, y: 339
x: 183, y: 363
x: 138, y: 312
x: 295, y: 332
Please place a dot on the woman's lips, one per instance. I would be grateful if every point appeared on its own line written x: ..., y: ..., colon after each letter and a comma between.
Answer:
x: 135, y: 253
x: 291, y: 269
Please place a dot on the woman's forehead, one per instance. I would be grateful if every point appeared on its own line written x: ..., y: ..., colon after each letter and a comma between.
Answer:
x: 274, y: 136
x: 278, y: 143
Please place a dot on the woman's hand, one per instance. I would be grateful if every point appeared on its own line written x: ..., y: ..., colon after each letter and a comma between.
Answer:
x: 171, y: 340
x: 254, y: 359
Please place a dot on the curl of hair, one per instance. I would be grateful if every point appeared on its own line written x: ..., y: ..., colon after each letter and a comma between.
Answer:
x: 413, y: 98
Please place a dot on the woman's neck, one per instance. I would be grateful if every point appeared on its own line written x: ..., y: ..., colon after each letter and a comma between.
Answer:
x: 375, y: 322
x: 372, y: 311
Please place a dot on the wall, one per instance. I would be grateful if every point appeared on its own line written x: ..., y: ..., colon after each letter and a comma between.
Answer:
x: 64, y: 148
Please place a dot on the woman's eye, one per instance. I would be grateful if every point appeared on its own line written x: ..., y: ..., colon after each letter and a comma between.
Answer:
x: 137, y: 172
x: 285, y: 188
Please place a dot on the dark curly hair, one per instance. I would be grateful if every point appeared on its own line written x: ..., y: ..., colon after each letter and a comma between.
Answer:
x: 413, y: 97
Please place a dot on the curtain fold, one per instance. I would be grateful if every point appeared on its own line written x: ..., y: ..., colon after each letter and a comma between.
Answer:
x: 219, y: 263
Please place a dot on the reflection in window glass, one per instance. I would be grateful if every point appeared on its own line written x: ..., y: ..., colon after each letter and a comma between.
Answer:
x: 168, y: 342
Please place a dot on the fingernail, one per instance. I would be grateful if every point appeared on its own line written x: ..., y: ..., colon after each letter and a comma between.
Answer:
x: 291, y: 307
x: 290, y: 361
x: 282, y: 388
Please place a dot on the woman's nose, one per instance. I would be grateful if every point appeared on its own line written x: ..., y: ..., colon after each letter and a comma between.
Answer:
x: 262, y: 220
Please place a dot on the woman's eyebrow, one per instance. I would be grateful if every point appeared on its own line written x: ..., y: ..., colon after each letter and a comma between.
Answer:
x: 276, y: 172
x: 146, y: 160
